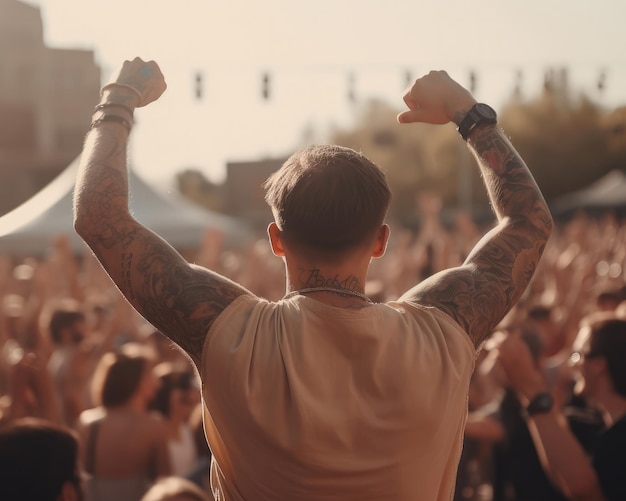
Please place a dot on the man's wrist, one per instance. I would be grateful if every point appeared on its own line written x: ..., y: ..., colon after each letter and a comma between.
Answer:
x: 120, y: 94
x: 541, y: 403
x: 460, y: 114
x: 530, y: 389
x: 478, y: 115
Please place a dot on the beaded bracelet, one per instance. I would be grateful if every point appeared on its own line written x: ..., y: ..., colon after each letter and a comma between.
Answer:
x: 111, y: 118
x: 104, y: 106
x: 115, y: 84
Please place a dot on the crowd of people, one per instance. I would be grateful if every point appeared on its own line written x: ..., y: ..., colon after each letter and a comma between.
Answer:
x: 353, y: 383
x: 72, y: 348
x: 76, y: 358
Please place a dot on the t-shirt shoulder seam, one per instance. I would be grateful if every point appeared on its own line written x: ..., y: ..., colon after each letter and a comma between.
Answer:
x: 223, y: 316
x: 437, y: 312
x: 225, y: 312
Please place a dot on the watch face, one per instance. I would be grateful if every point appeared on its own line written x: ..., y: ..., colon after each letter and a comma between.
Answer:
x: 479, y: 114
x: 542, y: 403
x: 486, y: 111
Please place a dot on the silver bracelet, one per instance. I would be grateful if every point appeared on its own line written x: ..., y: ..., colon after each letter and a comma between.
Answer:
x: 126, y: 86
x: 104, y: 106
x: 111, y: 118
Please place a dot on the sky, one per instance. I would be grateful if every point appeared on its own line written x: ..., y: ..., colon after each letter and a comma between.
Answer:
x: 310, y: 49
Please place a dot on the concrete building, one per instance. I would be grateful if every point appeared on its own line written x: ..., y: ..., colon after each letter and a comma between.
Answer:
x: 47, y: 97
x: 244, y: 196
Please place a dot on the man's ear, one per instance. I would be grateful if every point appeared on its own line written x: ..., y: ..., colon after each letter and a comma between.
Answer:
x: 382, y: 238
x: 275, y: 242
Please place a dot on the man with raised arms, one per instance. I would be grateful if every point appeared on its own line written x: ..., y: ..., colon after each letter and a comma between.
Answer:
x: 324, y: 394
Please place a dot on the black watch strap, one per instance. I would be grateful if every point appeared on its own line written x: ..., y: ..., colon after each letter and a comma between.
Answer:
x: 542, y: 403
x: 478, y: 114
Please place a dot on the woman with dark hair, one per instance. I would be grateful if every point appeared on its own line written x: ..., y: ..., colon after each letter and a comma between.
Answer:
x: 123, y: 446
x: 39, y: 460
x: 175, y: 399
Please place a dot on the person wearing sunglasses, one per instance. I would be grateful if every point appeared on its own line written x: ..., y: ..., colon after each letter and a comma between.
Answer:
x: 600, y: 356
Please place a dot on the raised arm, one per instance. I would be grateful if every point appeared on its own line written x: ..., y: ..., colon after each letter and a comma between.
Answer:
x: 493, y: 277
x: 563, y: 458
x: 178, y: 298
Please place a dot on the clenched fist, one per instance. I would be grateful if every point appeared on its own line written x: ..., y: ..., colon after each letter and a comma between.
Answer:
x: 436, y: 99
x: 143, y: 78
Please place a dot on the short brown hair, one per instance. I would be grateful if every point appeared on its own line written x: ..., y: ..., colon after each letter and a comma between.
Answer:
x: 171, y: 379
x: 118, y: 375
x: 608, y: 340
x: 328, y: 198
x: 62, y: 319
x: 37, y: 457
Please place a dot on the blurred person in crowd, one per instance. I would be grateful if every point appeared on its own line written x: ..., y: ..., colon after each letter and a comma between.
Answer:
x: 517, y: 473
x: 610, y: 298
x: 165, y: 350
x: 323, y: 394
x: 600, y: 354
x: 69, y: 363
x: 32, y: 391
x: 25, y: 383
x: 123, y: 446
x: 175, y: 400
x: 551, y: 335
x: 175, y: 489
x: 201, y: 476
x: 39, y: 461
x: 432, y: 241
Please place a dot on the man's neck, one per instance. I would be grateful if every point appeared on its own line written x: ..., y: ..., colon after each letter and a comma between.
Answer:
x: 347, y: 274
x: 310, y: 277
x: 339, y: 286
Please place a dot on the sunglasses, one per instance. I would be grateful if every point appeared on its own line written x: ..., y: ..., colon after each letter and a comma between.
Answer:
x: 580, y: 356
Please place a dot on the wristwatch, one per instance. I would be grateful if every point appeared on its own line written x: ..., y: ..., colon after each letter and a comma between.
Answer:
x: 541, y: 403
x: 480, y: 113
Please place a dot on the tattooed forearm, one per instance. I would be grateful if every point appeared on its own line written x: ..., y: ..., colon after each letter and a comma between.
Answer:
x: 101, y: 193
x: 127, y: 268
x: 511, y: 187
x: 498, y: 270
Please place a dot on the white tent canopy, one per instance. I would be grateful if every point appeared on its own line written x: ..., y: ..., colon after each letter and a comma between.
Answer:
x: 30, y: 228
x: 608, y: 192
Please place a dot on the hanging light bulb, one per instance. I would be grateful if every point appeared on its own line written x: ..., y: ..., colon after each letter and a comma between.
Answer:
x: 199, y: 85
x: 265, y: 86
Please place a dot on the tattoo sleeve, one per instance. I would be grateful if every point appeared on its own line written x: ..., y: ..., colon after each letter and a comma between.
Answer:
x: 178, y: 298
x: 479, y: 293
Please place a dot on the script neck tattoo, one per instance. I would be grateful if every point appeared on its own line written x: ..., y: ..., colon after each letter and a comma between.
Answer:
x: 313, y: 281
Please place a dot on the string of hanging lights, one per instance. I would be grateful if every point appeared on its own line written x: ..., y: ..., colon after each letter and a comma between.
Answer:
x: 267, y: 81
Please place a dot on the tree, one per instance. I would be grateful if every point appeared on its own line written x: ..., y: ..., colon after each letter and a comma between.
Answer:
x: 193, y: 185
x: 567, y: 141
x: 564, y: 140
x: 416, y: 158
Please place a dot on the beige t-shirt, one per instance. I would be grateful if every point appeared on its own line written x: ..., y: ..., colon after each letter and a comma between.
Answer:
x: 305, y: 401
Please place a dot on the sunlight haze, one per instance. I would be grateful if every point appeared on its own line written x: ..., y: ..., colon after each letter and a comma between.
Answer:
x: 310, y: 49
